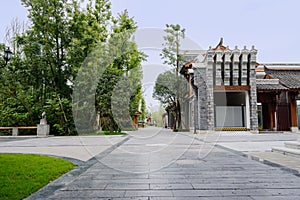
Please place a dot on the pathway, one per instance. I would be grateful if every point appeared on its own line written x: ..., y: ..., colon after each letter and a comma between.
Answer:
x: 159, y: 164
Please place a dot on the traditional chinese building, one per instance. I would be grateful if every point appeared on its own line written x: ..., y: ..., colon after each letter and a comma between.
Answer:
x: 229, y: 90
x: 224, y: 85
x: 278, y: 87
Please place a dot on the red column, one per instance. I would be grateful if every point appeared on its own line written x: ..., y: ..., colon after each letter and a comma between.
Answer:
x: 293, y: 109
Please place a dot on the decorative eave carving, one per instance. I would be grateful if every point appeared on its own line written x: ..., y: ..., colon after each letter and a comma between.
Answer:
x: 253, y: 53
x: 210, y: 54
x: 236, y: 54
x: 245, y: 53
x: 227, y: 54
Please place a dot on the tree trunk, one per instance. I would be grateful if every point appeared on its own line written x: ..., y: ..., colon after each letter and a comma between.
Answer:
x: 178, y: 108
x: 175, y: 120
x: 111, y: 128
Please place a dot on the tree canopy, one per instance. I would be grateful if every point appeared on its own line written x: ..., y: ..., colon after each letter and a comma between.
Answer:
x: 170, y: 94
x: 48, y: 54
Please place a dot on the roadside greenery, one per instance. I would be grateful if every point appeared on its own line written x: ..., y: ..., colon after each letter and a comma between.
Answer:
x: 48, y: 55
x: 23, y: 174
x: 111, y: 133
x: 158, y: 117
x: 168, y: 85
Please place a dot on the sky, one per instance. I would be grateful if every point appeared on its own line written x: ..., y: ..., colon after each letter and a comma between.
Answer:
x: 272, y: 26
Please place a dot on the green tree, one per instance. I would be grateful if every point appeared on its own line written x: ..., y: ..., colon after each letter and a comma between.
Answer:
x: 45, y: 46
x: 171, y: 56
x: 18, y: 102
x: 158, y: 116
x: 46, y: 59
x: 48, y: 54
x: 123, y: 75
x: 87, y: 29
x: 169, y: 89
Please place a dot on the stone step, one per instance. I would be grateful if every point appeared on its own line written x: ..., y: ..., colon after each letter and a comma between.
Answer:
x: 287, y: 151
x: 292, y: 145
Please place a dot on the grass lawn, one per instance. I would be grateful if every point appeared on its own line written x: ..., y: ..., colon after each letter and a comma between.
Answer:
x: 23, y: 174
x: 103, y: 133
x: 111, y: 133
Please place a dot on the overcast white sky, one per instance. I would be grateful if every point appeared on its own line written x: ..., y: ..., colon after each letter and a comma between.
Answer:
x: 271, y: 25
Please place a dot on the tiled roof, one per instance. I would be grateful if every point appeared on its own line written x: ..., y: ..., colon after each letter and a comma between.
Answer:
x: 277, y: 66
x: 287, y: 77
x: 270, y: 87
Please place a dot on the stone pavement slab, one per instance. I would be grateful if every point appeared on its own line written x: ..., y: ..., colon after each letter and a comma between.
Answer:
x: 160, y: 164
x: 78, y: 147
x: 289, y: 162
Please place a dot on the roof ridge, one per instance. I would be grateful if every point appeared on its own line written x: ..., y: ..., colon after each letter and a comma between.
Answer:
x: 280, y: 64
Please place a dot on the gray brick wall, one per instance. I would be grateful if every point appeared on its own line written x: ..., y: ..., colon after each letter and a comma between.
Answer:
x: 209, y: 73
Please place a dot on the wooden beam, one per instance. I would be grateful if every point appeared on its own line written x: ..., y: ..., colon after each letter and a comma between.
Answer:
x: 272, y: 109
x: 266, y: 97
x: 232, y: 87
x: 293, y: 107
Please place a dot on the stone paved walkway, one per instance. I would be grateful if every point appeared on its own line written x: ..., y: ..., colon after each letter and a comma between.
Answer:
x: 80, y: 148
x: 159, y: 164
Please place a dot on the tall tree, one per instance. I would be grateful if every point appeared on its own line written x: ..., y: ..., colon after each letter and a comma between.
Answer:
x: 123, y: 75
x: 167, y: 89
x: 49, y: 54
x: 172, y: 56
x: 18, y: 104
x: 87, y: 29
x: 46, y: 43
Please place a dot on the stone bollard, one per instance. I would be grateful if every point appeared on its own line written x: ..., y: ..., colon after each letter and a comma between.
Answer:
x: 294, y: 129
x: 15, y: 131
x: 43, y: 128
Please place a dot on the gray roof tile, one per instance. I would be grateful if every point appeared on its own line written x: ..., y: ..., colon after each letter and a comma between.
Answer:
x: 270, y: 87
x: 288, y: 78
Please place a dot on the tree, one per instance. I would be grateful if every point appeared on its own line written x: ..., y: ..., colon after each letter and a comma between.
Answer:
x: 119, y: 89
x: 18, y: 105
x: 53, y: 48
x: 169, y: 89
x: 171, y: 56
x: 158, y: 116
x: 48, y: 54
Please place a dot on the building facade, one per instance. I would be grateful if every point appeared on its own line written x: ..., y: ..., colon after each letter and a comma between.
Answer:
x: 278, y: 87
x: 229, y: 90
x: 224, y: 90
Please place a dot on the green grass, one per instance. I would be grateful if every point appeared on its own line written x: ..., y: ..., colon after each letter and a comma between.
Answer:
x: 23, y: 174
x: 103, y: 133
x: 111, y: 133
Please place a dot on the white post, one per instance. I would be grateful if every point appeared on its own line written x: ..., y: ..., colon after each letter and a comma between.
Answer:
x: 43, y: 130
x: 219, y: 61
x: 236, y: 61
x: 247, y: 110
x: 227, y: 59
x: 15, y: 131
x: 244, y: 66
